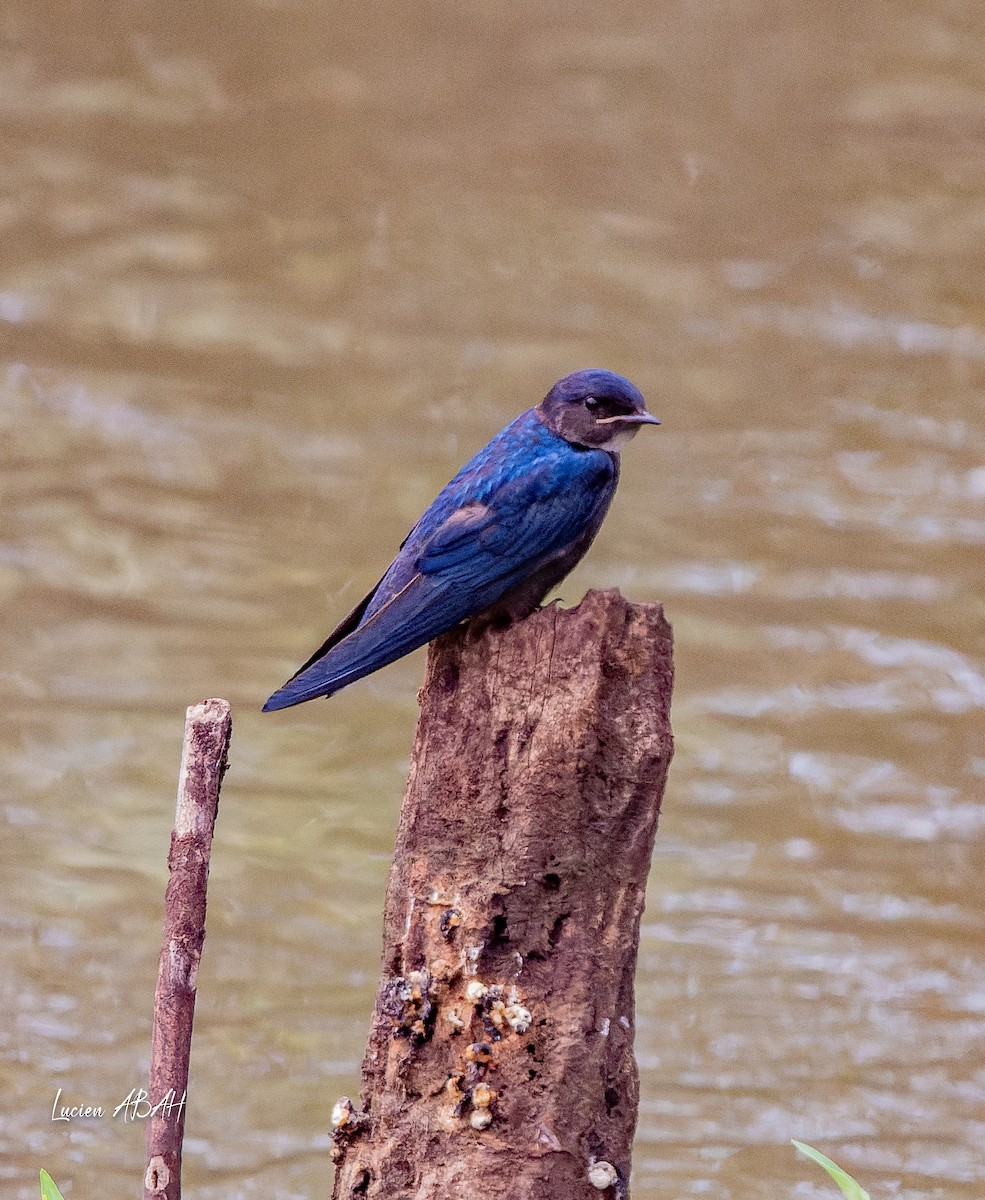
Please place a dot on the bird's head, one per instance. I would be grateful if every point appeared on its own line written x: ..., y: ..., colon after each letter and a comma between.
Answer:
x: 595, y: 409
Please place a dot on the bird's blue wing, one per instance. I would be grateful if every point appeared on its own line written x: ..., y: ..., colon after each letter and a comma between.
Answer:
x: 527, y: 519
x: 495, y: 538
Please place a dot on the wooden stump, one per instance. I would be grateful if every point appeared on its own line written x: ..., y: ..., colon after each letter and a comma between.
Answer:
x: 500, y: 1059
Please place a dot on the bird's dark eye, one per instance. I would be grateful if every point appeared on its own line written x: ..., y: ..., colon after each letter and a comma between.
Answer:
x: 591, y: 403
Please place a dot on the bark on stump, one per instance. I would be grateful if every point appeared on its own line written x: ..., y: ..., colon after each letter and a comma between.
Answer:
x: 500, y: 1059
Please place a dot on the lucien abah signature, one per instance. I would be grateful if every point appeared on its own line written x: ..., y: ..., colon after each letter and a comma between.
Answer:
x: 134, y: 1107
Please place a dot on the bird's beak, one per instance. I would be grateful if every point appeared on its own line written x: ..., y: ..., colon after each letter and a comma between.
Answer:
x: 636, y: 418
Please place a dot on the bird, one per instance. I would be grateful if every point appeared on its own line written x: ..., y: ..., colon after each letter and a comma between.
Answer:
x: 509, y: 527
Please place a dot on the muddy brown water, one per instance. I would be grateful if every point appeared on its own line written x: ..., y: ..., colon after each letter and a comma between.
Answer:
x: 270, y: 273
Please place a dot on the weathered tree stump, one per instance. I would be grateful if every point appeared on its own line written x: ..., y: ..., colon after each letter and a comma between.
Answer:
x: 500, y: 1059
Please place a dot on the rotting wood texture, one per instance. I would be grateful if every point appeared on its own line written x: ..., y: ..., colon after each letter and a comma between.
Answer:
x: 500, y: 1059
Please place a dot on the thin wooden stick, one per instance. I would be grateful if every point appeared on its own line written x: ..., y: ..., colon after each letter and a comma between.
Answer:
x: 208, y: 728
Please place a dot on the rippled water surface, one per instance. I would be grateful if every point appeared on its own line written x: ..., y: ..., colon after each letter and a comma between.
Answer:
x: 270, y: 272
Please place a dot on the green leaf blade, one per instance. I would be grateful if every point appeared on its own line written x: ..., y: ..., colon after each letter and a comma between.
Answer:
x: 48, y: 1189
x: 849, y: 1188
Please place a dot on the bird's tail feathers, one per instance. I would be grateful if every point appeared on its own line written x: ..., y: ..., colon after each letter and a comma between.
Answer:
x: 365, y: 648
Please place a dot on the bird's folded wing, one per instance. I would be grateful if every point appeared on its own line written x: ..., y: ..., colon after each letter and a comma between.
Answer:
x: 526, y: 521
x: 475, y: 555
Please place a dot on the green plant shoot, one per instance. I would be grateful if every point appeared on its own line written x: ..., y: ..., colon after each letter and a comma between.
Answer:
x: 48, y: 1189
x: 849, y: 1188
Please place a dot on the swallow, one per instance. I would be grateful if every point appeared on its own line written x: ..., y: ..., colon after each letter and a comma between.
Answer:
x: 505, y: 531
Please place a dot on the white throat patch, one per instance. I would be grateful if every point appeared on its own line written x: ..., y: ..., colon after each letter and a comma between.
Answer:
x: 619, y: 438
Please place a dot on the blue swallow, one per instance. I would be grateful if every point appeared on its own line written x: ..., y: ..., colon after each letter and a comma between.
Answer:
x: 509, y: 527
